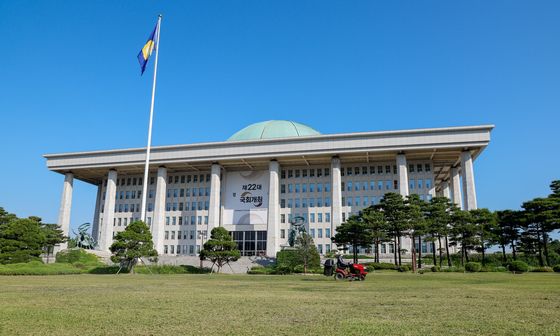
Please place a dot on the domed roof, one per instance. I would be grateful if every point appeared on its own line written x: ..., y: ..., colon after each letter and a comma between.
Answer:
x: 273, y: 129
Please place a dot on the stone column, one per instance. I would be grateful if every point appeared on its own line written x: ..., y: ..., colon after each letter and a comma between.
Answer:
x: 445, y: 192
x: 158, y: 220
x: 467, y: 174
x: 402, y: 170
x: 65, y: 207
x: 214, y: 206
x: 95, y: 224
x: 336, y: 196
x: 273, y: 229
x: 455, y: 186
x: 106, y: 237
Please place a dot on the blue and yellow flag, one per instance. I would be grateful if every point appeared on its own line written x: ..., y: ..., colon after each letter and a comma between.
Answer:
x: 148, y: 48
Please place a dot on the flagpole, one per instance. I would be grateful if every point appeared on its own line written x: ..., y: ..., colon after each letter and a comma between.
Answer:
x: 147, y: 166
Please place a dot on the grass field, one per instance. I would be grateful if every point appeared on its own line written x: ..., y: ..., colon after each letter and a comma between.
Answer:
x: 385, y: 304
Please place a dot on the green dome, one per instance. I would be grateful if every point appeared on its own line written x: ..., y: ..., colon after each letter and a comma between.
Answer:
x: 273, y: 129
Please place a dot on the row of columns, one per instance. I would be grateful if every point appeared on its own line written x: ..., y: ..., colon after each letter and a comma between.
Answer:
x: 103, y: 225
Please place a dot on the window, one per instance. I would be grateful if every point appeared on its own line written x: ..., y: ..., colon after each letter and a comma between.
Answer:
x: 327, y: 171
x: 290, y: 173
x: 311, y: 187
x: 166, y: 234
x: 297, y: 202
x: 327, y: 201
x: 364, y: 170
x: 356, y: 170
x: 312, y: 220
x: 349, y: 186
x: 290, y: 203
x: 428, y: 183
x: 349, y: 171
x: 297, y: 173
x: 379, y: 169
x: 165, y: 249
x: 328, y: 220
x: 387, y: 169
x: 319, y: 233
x: 411, y: 184
x: 349, y: 201
x: 188, y: 179
x: 290, y: 188
x: 419, y: 168
x: 311, y: 172
x: 320, y: 220
x: 327, y: 233
x: 388, y: 185
x: 172, y: 234
x: 282, y: 218
x: 297, y: 187
x: 304, y: 187
x: 366, y: 200
x: 357, y: 203
x: 167, y: 220
x: 283, y: 232
x: 357, y: 186
x: 411, y: 168
x: 320, y: 248
x: 327, y: 187
x: 419, y: 184
x: 312, y: 233
x: 319, y: 172
x: 395, y: 184
x: 304, y: 202
x: 282, y: 203
x: 282, y: 188
x: 304, y: 173
x: 427, y: 167
x: 327, y: 248
x: 283, y: 174
x: 311, y: 202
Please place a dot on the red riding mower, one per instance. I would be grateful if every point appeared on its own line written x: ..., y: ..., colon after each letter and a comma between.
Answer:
x: 345, y: 270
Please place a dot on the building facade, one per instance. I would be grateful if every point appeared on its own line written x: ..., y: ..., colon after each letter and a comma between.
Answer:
x: 263, y: 177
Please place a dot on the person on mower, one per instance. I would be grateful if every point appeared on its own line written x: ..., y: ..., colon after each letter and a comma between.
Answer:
x: 340, y: 263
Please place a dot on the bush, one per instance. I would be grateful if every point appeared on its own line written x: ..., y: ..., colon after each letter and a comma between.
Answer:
x: 78, y: 256
x: 541, y: 269
x: 556, y: 268
x: 518, y: 267
x: 38, y: 268
x: 380, y: 266
x: 501, y: 269
x: 453, y: 269
x: 473, y: 267
x: 403, y: 268
x: 434, y: 268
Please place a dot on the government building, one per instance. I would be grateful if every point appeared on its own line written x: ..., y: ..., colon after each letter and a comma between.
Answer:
x: 263, y: 176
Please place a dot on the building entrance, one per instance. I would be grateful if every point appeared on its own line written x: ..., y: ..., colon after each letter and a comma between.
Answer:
x: 250, y: 243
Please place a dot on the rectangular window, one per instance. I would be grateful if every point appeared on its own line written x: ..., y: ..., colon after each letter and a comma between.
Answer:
x: 327, y: 171
x: 282, y: 233
x: 290, y: 173
x: 297, y: 173
x: 312, y: 218
x: 282, y: 203
x: 364, y: 170
x: 167, y: 219
x: 411, y: 184
x: 282, y: 218
x: 427, y: 167
x: 387, y: 169
x: 419, y: 184
x: 312, y: 172
x: 372, y: 170
x: 327, y: 187
x: 419, y: 168
x: 379, y: 169
x: 283, y: 174
x: 319, y: 172
x: 311, y: 202
x: 319, y: 220
x: 290, y: 188
x: 328, y: 220
x: 357, y: 186
x: 282, y: 188
x: 297, y: 187
x: 357, y: 203
x: 411, y: 168
x: 327, y: 201
x: 320, y: 248
x: 319, y: 232
x: 304, y: 202
x: 297, y: 202
x: 311, y: 187
x: 388, y: 185
x: 304, y: 187
x: 290, y: 203
x: 304, y: 173
x: 428, y: 183
x: 349, y: 186
x: 327, y: 233
x: 356, y: 170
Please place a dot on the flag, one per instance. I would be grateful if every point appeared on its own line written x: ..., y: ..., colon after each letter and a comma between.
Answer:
x: 147, y: 49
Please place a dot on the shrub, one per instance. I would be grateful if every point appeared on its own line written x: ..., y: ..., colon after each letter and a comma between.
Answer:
x: 403, y: 268
x: 380, y: 266
x: 260, y: 270
x: 518, y: 267
x: 556, y: 268
x: 472, y: 267
x: 501, y: 269
x: 38, y: 268
x: 435, y: 268
x: 288, y: 260
x: 78, y: 256
x: 453, y: 269
x: 541, y: 269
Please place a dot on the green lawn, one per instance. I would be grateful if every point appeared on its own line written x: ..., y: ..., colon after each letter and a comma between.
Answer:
x: 385, y: 304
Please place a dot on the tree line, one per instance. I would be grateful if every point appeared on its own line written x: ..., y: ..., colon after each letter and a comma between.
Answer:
x: 442, y: 223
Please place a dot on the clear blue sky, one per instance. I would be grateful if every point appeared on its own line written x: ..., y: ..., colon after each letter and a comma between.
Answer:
x: 70, y: 81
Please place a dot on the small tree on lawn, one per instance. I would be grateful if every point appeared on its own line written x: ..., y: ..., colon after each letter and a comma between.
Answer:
x: 306, y: 250
x: 220, y: 249
x: 132, y: 244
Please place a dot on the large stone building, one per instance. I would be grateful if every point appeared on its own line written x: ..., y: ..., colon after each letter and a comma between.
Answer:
x: 254, y: 183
